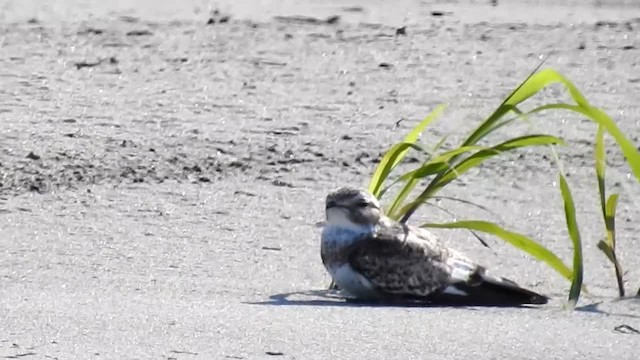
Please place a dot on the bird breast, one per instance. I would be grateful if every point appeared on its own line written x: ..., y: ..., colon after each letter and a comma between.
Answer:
x: 340, y: 236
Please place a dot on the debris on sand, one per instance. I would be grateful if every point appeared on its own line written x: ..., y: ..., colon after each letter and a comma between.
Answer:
x: 90, y: 31
x: 217, y: 18
x: 626, y: 329
x: 353, y: 9
x: 33, y: 156
x: 83, y: 64
x: 298, y: 19
x: 139, y: 33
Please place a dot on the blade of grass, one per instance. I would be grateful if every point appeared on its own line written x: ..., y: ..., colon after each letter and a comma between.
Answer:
x: 440, y: 143
x: 431, y: 167
x: 439, y: 163
x: 599, y: 154
x: 574, y: 234
x: 404, y: 193
x: 610, y: 213
x: 481, y: 156
x: 507, y: 105
x: 529, y: 87
x: 610, y: 218
x: 396, y: 155
x: 537, y: 82
x: 608, y: 246
x: 491, y: 124
x: 481, y: 240
x: 606, y: 249
x: 466, y: 202
x: 611, y: 255
x: 389, y: 161
x: 533, y: 84
x: 475, y: 234
x: 517, y: 240
x: 471, y: 162
x: 543, y: 79
x: 628, y: 149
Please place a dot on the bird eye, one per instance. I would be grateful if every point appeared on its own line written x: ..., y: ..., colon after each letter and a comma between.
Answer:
x: 363, y: 204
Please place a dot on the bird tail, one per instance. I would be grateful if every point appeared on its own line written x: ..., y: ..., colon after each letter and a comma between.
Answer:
x: 484, y: 290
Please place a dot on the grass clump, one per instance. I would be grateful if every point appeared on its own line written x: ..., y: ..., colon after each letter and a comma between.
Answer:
x: 440, y: 168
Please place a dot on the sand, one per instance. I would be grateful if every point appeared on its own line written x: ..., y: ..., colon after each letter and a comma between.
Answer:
x: 163, y: 169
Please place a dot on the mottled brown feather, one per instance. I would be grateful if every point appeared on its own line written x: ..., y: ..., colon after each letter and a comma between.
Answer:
x: 397, y: 262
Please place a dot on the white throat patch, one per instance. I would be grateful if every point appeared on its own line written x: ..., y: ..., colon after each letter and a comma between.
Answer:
x: 338, y: 217
x: 341, y: 229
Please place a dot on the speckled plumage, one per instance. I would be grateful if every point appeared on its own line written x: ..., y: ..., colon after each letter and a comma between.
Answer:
x: 372, y: 257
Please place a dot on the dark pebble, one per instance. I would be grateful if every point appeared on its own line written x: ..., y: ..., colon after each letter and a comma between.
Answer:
x: 33, y: 156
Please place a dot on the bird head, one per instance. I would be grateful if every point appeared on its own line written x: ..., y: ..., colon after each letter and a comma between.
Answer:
x: 352, y: 207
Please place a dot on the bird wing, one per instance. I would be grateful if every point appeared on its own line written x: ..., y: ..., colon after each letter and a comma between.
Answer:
x: 403, y: 261
x: 411, y: 263
x: 482, y: 289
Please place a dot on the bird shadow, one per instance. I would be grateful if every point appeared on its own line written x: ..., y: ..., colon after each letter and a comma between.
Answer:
x: 335, y: 298
x: 316, y: 298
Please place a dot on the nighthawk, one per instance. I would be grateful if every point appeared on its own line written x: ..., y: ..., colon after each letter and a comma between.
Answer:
x: 374, y: 258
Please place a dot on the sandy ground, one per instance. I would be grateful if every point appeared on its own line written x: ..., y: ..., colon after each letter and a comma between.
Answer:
x: 161, y: 178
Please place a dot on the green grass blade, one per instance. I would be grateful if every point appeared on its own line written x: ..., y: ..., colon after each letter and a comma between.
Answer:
x: 439, y: 163
x: 428, y: 168
x: 483, y: 155
x: 607, y: 250
x: 610, y: 221
x: 528, y: 88
x: 487, y: 126
x: 467, y: 202
x: 517, y: 240
x: 542, y: 79
x: 440, y: 143
x: 504, y: 123
x: 628, y: 149
x: 608, y: 246
x: 431, y: 167
x: 574, y: 234
x: 600, y: 168
x: 470, y: 162
x: 509, y: 104
x: 480, y: 239
x: 402, y: 195
x: 389, y: 161
x: 395, y: 155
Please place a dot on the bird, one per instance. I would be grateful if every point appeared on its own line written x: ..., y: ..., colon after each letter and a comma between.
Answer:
x: 373, y: 258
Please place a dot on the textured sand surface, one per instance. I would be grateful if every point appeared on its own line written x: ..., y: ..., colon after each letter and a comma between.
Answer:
x: 161, y: 178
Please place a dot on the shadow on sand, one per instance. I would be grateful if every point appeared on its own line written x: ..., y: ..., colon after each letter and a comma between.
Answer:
x: 325, y: 298
x: 334, y: 298
x: 595, y: 307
